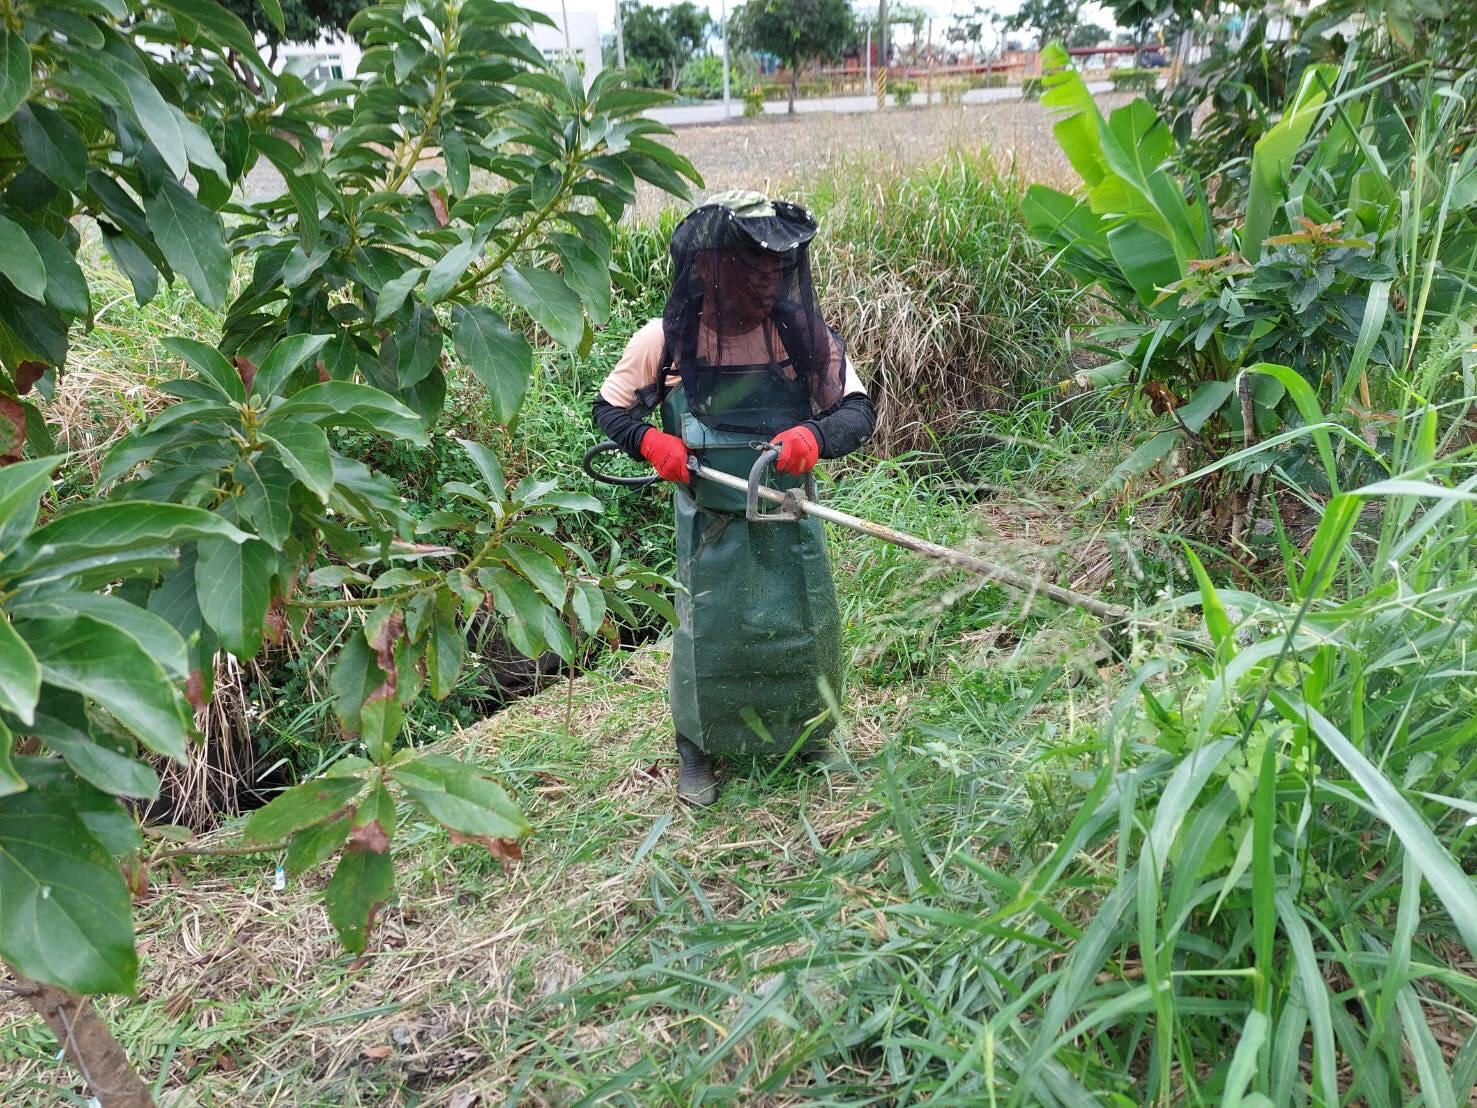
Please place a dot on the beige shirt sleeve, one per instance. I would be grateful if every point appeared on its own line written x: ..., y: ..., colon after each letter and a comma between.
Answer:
x: 641, y: 362
x: 637, y: 368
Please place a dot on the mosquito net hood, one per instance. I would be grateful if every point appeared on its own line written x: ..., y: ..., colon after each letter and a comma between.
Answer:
x: 742, y: 324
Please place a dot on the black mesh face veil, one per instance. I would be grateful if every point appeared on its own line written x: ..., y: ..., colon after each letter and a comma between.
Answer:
x: 743, y: 316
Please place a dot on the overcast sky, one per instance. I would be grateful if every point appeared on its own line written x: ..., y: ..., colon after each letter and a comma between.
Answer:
x: 942, y: 10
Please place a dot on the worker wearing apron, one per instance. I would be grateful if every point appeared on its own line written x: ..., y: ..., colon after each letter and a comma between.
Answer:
x: 741, y: 359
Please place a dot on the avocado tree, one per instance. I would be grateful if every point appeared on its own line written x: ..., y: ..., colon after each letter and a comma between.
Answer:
x: 233, y: 516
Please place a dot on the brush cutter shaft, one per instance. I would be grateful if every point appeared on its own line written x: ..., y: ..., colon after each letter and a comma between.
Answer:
x: 988, y: 570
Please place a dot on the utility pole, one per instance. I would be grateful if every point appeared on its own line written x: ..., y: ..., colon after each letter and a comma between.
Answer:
x: 881, y: 54
x: 723, y: 15
x: 620, y: 38
x: 564, y: 11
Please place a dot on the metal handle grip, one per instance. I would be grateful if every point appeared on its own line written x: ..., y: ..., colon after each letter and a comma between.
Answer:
x: 587, y: 463
x: 788, y: 514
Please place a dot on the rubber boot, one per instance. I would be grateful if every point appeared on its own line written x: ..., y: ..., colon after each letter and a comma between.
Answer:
x: 695, y: 781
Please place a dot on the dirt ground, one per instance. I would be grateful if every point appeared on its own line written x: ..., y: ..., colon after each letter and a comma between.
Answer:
x: 785, y: 154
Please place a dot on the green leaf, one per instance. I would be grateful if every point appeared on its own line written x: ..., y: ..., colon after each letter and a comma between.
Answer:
x: 458, y: 164
x: 1272, y: 157
x: 20, y: 674
x: 135, y: 264
x: 234, y: 584
x: 587, y: 274
x: 315, y: 844
x: 1206, y: 401
x: 347, y: 404
x: 1217, y: 622
x: 192, y: 239
x: 304, y: 450
x: 446, y: 649
x: 212, y: 366
x: 452, y: 266
x: 112, y: 826
x: 11, y: 782
x: 66, y: 287
x: 273, y: 10
x: 588, y: 602
x: 499, y: 357
x: 107, y: 665
x: 62, y: 724
x: 15, y: 71
x: 1308, y: 407
x: 20, y: 261
x: 282, y: 360
x: 519, y: 602
x: 155, y: 636
x: 459, y: 796
x: 1451, y: 885
x: 21, y: 487
x: 361, y: 883
x: 96, y: 534
x: 545, y: 297
x: 488, y: 466
x: 52, y: 145
x: 393, y: 295
x: 158, y: 123
x: 312, y: 802
x: 540, y: 569
x: 266, y: 499
x: 65, y: 914
x: 222, y: 27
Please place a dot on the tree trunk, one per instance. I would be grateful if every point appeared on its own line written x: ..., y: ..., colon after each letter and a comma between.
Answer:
x: 88, y: 1044
x: 794, y: 84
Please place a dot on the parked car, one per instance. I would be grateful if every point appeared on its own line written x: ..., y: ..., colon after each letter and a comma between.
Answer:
x: 1153, y: 59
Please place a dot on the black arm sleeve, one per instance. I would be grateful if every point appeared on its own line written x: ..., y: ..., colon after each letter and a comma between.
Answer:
x: 844, y: 426
x: 623, y: 426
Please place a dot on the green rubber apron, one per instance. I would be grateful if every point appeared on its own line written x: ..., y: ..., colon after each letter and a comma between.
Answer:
x: 758, y: 629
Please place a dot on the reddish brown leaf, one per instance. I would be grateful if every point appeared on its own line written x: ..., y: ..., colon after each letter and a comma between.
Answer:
x: 12, y: 430
x: 247, y: 368
x: 1161, y: 397
x: 323, y: 375
x: 377, y: 1053
x: 384, y: 653
x: 371, y: 837
x: 27, y: 374
x: 505, y: 851
x: 136, y: 874
x: 275, y: 623
x: 195, y: 689
x: 438, y: 206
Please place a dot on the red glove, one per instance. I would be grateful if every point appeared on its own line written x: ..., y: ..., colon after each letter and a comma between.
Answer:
x: 667, y: 455
x: 798, y: 450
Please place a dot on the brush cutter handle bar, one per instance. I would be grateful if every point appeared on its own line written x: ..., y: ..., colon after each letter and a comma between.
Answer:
x: 1111, y: 613
x: 587, y: 463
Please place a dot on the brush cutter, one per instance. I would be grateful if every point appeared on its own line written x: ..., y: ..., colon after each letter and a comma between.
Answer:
x: 795, y: 504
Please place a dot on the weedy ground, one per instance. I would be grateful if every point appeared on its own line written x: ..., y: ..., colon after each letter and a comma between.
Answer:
x: 641, y: 951
x: 802, y: 939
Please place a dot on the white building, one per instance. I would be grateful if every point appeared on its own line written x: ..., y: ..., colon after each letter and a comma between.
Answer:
x: 337, y: 56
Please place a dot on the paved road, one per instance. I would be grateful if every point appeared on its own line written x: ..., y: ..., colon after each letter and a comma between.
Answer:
x: 712, y: 112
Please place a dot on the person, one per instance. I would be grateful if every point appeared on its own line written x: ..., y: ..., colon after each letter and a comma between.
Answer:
x: 740, y: 359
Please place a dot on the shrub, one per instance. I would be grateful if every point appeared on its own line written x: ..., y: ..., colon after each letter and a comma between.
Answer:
x: 224, y: 523
x: 1134, y: 80
x: 989, y: 80
x: 902, y: 92
x: 1032, y: 87
x: 753, y: 102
